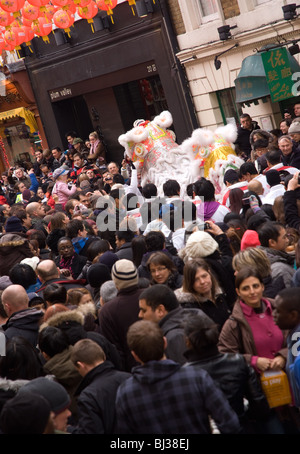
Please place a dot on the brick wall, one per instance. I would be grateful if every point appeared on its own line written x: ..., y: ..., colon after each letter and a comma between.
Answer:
x: 176, y: 17
x: 230, y: 8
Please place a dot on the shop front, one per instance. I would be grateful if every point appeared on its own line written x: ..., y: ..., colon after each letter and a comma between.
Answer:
x: 106, y: 80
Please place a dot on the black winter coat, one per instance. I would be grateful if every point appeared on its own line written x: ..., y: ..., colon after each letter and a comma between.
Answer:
x: 236, y: 379
x: 96, y: 396
x: 24, y: 323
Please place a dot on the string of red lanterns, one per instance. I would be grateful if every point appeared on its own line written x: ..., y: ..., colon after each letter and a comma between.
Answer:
x: 22, y: 20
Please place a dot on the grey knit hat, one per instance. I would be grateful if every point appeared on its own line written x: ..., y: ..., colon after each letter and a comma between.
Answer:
x: 294, y: 128
x: 53, y: 392
x: 124, y: 274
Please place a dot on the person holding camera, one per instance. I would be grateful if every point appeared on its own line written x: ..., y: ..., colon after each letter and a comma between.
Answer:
x: 60, y: 188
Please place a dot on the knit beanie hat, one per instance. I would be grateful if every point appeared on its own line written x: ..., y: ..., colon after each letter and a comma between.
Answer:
x: 58, y: 172
x: 200, y: 244
x: 249, y: 239
x: 294, y: 128
x: 124, y: 274
x: 13, y: 224
x: 26, y: 413
x: 51, y: 390
x: 97, y: 274
x: 108, y: 258
x: 32, y: 261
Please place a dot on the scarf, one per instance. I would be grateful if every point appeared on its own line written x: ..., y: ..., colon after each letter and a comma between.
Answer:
x: 207, y: 209
x: 66, y: 264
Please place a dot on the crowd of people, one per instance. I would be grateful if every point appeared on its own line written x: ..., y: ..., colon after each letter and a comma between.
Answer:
x: 126, y: 311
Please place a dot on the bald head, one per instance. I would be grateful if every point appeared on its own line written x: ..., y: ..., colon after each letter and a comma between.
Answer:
x: 35, y: 209
x: 256, y: 186
x: 14, y: 299
x: 47, y: 270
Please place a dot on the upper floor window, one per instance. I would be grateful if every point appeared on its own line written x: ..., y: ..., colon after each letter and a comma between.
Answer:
x: 209, y: 8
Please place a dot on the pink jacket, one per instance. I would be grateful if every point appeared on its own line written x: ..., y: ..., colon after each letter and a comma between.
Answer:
x: 63, y: 192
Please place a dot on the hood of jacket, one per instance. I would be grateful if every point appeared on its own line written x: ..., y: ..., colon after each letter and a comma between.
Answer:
x: 72, y: 316
x: 187, y: 297
x: 25, y: 319
x: 279, y: 256
x: 155, y: 371
x: 12, y: 240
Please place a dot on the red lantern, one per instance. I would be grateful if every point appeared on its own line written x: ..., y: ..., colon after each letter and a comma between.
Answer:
x: 63, y: 19
x: 28, y: 35
x: 49, y: 11
x: 6, y: 19
x: 42, y: 27
x: 88, y: 12
x: 12, y: 6
x: 30, y: 12
x: 108, y: 6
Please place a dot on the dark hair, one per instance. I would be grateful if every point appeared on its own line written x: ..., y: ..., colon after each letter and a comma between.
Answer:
x: 40, y: 237
x: 149, y: 190
x: 160, y: 294
x: 205, y: 188
x: 73, y: 228
x: 245, y: 115
x: 171, y: 188
x: 71, y: 134
x: 57, y: 221
x: 160, y: 258
x: 273, y: 156
x: 244, y: 273
x: 96, y: 248
x: 248, y: 167
x: 126, y: 235
x: 269, y: 230
x: 291, y: 299
x: 52, y: 341
x: 261, y: 143
x: 22, y: 274
x: 118, y: 179
x: 21, y: 360
x: 55, y: 293
x: 201, y: 331
x: 236, y: 196
x: 155, y: 241
x: 146, y: 339
x: 138, y: 246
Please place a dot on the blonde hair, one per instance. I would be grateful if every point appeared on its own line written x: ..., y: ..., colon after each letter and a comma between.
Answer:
x: 94, y: 134
x: 252, y: 257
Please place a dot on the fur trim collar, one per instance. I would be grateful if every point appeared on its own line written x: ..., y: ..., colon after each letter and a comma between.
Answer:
x: 73, y: 315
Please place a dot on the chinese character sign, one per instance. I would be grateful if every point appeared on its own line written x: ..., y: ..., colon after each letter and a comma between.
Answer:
x: 278, y: 73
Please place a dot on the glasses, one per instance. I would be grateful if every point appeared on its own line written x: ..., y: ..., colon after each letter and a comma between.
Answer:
x: 158, y: 270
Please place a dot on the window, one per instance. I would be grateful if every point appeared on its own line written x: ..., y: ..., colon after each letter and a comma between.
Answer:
x: 208, y: 7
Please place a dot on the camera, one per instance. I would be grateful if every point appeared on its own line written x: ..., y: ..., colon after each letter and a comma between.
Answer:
x: 206, y: 225
x: 246, y: 201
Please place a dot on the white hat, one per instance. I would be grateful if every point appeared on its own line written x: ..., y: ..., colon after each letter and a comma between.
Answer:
x: 199, y: 245
x: 32, y: 261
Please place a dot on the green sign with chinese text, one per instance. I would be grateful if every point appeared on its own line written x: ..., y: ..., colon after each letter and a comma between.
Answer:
x: 278, y: 73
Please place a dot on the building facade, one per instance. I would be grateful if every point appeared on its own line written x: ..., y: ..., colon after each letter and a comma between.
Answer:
x: 213, y: 65
x: 106, y: 77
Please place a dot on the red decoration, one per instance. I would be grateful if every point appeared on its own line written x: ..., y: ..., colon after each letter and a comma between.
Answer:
x: 108, y: 6
x: 88, y: 12
x: 42, y: 27
x: 30, y: 12
x: 63, y: 19
x: 6, y: 18
x: 12, y: 6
